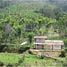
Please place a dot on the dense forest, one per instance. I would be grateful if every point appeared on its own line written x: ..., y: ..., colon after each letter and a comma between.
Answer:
x: 38, y: 17
x: 21, y: 20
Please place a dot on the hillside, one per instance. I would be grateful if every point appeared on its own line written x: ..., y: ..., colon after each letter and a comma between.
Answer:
x: 21, y: 20
x: 30, y: 17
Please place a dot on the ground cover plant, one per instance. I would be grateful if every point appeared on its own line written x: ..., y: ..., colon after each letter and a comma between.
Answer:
x: 28, y: 60
x: 10, y: 58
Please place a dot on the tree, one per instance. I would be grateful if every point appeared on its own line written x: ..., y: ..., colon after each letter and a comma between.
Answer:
x: 51, y: 11
x: 30, y: 37
x: 61, y: 25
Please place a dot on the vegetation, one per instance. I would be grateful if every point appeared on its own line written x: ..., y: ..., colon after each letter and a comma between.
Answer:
x: 10, y: 59
x: 20, y: 21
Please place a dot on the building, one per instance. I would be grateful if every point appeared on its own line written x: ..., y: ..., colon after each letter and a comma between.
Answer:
x: 40, y: 41
x: 48, y: 47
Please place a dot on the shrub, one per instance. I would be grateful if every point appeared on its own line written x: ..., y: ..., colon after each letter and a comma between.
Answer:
x: 1, y: 64
x: 42, y: 57
x: 62, y: 54
x: 8, y: 48
x: 3, y: 48
x: 9, y: 65
x: 65, y: 49
x: 12, y: 49
x: 30, y: 52
x: 65, y: 62
x: 23, y: 49
x: 65, y: 42
x: 20, y: 61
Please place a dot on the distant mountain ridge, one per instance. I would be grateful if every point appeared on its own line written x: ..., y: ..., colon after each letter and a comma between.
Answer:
x: 39, y: 0
x: 50, y: 1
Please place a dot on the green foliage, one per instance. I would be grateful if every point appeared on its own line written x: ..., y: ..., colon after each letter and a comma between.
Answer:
x: 23, y: 49
x: 65, y: 42
x: 19, y: 22
x: 9, y: 65
x: 66, y: 50
x: 62, y: 54
x: 30, y: 37
x: 4, y: 3
x: 24, y: 20
x: 1, y: 64
x: 40, y: 62
x: 51, y: 11
x: 9, y: 58
x: 13, y: 59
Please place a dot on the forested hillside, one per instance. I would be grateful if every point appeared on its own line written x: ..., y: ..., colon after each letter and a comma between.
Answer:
x: 25, y: 17
x: 21, y: 20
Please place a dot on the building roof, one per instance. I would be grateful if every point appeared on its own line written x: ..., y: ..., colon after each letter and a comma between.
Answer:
x: 40, y: 37
x: 56, y: 41
x: 52, y: 42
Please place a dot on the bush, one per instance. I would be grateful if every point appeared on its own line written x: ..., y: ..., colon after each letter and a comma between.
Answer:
x: 65, y: 49
x: 9, y: 65
x: 30, y: 52
x: 1, y: 64
x: 62, y: 54
x: 20, y: 61
x: 65, y: 42
x: 42, y: 57
x: 3, y: 48
x: 65, y: 62
x: 12, y: 49
x: 23, y: 49
x: 8, y: 48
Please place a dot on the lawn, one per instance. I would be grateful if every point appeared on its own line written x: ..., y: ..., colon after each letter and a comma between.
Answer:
x: 11, y: 58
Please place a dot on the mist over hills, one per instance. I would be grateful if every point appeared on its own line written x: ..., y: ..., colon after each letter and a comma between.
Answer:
x: 40, y: 0
x: 4, y: 3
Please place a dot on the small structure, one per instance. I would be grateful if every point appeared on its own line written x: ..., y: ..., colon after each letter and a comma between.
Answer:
x: 39, y: 41
x: 48, y: 47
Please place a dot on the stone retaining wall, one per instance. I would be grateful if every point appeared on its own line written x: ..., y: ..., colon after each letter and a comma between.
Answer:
x: 46, y: 53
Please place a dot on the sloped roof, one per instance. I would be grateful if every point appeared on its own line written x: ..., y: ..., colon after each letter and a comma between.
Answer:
x: 54, y: 42
x: 51, y: 42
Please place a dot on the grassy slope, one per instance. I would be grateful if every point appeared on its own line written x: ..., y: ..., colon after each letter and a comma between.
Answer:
x: 11, y: 58
x: 33, y: 61
x: 29, y: 60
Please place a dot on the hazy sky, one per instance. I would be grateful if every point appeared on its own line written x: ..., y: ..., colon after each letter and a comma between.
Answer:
x: 35, y: 0
x: 39, y: 0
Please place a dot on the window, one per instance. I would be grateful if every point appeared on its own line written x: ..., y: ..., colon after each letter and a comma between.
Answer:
x: 39, y: 40
x: 39, y: 46
x: 48, y: 47
x: 62, y: 46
